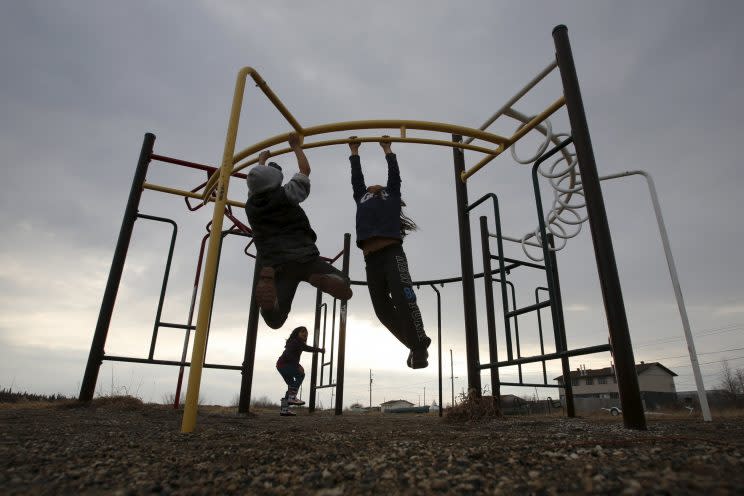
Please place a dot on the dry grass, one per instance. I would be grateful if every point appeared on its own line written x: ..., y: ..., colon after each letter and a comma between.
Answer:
x: 473, y: 408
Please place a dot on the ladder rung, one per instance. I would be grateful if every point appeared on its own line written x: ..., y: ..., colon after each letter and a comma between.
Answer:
x: 531, y: 308
x: 519, y: 262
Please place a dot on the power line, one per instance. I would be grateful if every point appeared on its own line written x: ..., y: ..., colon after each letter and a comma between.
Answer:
x: 710, y: 332
x: 705, y: 353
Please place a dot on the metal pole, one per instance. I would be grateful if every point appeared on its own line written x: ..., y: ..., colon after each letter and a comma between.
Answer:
x: 630, y: 396
x: 539, y: 331
x: 561, y: 324
x: 370, y: 389
x: 439, y: 344
x: 452, y: 380
x: 314, y: 366
x: 466, y: 263
x: 702, y: 397
x: 187, y: 334
x: 249, y: 355
x: 95, y: 357
x: 164, y: 286
x: 490, y: 314
x: 188, y: 422
x: 342, y: 333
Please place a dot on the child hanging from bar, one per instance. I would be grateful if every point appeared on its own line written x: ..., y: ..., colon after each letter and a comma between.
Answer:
x: 292, y: 372
x: 285, y: 242
x: 381, y: 226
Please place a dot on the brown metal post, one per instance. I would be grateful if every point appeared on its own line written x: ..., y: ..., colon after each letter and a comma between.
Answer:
x: 249, y: 356
x: 95, y: 357
x: 627, y: 378
x: 466, y: 264
x: 342, y: 334
x: 314, y: 367
x: 490, y: 313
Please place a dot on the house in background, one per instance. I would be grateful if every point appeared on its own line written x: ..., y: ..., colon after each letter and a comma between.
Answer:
x: 655, y: 382
x: 389, y: 405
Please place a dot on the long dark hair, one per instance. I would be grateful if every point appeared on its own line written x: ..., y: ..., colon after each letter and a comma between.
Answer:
x: 406, y: 223
x: 295, y: 333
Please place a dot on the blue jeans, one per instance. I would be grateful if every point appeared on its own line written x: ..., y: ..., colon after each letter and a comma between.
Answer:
x: 293, y: 374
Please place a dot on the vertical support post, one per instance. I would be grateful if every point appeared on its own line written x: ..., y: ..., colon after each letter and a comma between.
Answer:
x: 342, y: 333
x: 702, y: 396
x: 452, y: 380
x: 333, y: 341
x: 466, y: 264
x: 164, y: 286
x: 95, y: 357
x: 546, y: 244
x: 314, y: 366
x: 249, y: 355
x: 490, y: 313
x: 439, y: 344
x: 210, y: 267
x: 627, y: 378
x: 540, y: 333
x: 557, y: 302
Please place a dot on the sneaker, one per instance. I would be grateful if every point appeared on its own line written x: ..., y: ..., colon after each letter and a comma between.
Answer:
x: 286, y: 412
x: 425, y: 343
x: 419, y: 358
x: 294, y: 401
x: 332, y: 284
x: 266, y: 289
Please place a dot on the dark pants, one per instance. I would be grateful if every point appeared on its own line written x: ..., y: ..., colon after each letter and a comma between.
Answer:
x: 287, y: 278
x: 392, y: 295
x: 293, y: 374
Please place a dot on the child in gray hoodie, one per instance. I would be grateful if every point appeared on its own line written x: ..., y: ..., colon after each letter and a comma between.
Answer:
x: 285, y: 242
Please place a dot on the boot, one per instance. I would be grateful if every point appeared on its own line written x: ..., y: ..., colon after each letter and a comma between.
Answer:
x: 333, y: 284
x: 284, y: 410
x: 421, y: 355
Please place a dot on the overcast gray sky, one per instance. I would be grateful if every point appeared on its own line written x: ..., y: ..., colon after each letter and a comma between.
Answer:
x: 83, y: 81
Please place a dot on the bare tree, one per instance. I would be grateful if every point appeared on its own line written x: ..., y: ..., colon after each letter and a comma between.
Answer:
x: 731, y: 382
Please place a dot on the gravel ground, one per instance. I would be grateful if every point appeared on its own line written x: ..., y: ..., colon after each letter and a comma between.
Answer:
x: 138, y: 449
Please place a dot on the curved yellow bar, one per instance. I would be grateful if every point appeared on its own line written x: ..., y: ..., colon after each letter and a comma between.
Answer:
x: 375, y: 124
x: 190, y: 194
x: 368, y: 139
x: 370, y: 124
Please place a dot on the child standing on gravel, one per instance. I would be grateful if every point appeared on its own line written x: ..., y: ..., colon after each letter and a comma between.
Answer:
x: 292, y: 372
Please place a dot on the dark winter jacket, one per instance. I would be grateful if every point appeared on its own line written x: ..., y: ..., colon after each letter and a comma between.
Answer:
x: 292, y: 351
x: 280, y: 227
x: 377, y: 215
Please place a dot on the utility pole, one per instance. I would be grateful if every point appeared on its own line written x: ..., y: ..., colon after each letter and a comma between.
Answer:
x: 370, y: 389
x: 424, y: 395
x: 452, y: 379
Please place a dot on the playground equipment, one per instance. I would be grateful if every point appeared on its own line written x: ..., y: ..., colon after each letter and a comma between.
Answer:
x: 564, y: 182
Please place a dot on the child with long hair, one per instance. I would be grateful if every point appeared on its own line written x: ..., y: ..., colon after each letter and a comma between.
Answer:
x: 292, y: 372
x: 381, y: 226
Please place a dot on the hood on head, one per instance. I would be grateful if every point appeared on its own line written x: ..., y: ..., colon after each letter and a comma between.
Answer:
x: 262, y: 178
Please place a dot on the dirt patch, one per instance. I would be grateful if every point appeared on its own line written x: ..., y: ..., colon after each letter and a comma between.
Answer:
x: 138, y: 449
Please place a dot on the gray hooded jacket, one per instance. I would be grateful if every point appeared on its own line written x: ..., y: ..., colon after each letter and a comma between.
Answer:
x: 280, y: 227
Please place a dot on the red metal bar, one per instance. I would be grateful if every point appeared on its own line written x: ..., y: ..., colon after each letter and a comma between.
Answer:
x: 193, y: 165
x: 332, y: 260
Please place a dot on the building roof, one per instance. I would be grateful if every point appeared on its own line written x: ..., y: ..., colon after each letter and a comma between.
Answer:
x: 609, y: 371
x: 391, y: 402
